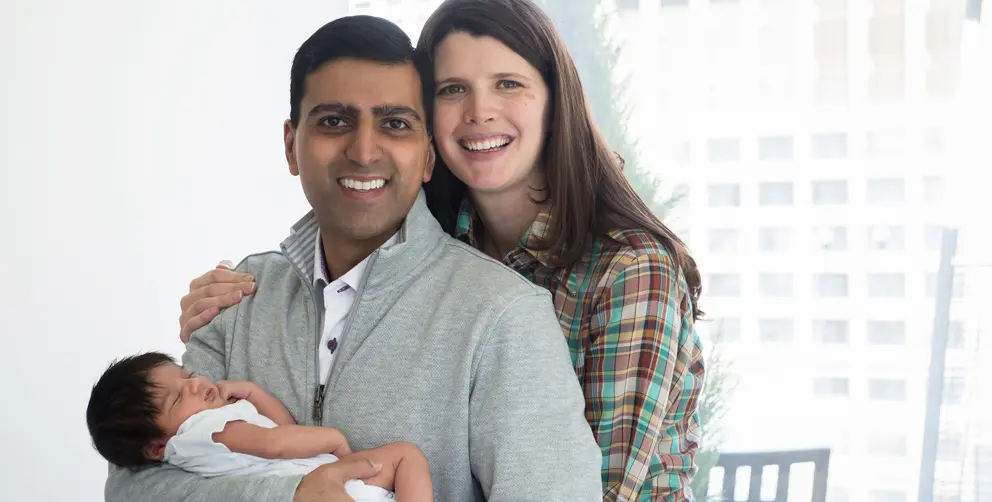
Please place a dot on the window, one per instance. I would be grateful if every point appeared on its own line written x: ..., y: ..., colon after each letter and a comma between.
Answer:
x: 950, y: 446
x: 773, y: 239
x: 674, y: 3
x: 953, y: 390
x: 829, y: 192
x: 775, y: 194
x: 957, y: 291
x: 887, y: 496
x: 628, y: 4
x: 362, y: 5
x: 727, y: 329
x: 829, y: 146
x: 891, y: 446
x: 775, y: 148
x: 723, y: 240
x: 724, y: 194
x: 933, y: 189
x: 932, y: 237
x: 775, y: 330
x: 830, y: 238
x: 886, y: 285
x: 724, y: 285
x: 886, y: 238
x: 887, y: 389
x: 831, y: 387
x: 830, y: 285
x: 886, y: 332
x: 887, y: 81
x: 830, y: 331
x: 723, y: 149
x: 885, y: 143
x: 775, y: 285
x: 886, y: 191
x: 955, y: 335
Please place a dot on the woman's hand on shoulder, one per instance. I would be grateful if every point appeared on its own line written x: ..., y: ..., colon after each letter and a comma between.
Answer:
x: 208, y: 294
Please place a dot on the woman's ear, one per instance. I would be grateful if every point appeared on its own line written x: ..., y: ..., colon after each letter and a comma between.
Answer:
x: 155, y: 450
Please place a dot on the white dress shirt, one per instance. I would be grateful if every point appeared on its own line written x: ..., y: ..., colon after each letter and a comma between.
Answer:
x: 339, y: 297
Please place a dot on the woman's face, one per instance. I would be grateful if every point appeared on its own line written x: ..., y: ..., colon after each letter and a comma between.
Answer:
x: 490, y: 108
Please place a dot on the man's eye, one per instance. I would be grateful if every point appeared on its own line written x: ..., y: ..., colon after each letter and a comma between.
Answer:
x: 397, y: 124
x: 451, y: 89
x: 331, y: 122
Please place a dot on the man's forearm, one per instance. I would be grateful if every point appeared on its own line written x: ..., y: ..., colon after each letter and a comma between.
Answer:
x: 165, y: 483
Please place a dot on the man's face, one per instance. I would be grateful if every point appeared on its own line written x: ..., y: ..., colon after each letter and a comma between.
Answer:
x: 361, y: 148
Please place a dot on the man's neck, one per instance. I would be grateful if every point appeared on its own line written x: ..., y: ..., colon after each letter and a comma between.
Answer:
x: 506, y: 217
x: 343, y: 254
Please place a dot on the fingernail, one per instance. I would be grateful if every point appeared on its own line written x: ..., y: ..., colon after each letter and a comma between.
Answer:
x: 251, y: 287
x: 238, y: 294
x: 377, y: 465
x: 227, y: 263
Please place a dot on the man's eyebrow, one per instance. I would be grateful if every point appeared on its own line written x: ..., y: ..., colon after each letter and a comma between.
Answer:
x: 382, y: 111
x: 338, y: 108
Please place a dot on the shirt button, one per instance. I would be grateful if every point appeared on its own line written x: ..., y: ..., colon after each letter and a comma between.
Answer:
x: 332, y: 345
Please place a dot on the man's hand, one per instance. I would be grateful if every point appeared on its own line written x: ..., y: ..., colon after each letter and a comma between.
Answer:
x: 326, y: 483
x: 208, y: 294
x: 234, y: 390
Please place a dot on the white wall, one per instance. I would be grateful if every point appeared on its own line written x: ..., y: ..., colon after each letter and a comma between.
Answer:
x: 140, y: 142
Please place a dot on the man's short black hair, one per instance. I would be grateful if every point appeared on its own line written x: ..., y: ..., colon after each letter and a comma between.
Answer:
x: 121, y: 412
x: 365, y: 38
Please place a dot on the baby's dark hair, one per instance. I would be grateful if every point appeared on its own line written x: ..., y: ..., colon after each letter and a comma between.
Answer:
x: 121, y: 412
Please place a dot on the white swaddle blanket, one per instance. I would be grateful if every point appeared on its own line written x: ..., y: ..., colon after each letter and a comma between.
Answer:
x: 193, y: 449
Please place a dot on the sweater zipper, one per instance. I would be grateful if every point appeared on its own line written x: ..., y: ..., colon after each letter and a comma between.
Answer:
x: 320, y: 394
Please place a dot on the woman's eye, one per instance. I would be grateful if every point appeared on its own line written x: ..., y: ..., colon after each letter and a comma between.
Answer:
x: 450, y: 89
x: 507, y: 84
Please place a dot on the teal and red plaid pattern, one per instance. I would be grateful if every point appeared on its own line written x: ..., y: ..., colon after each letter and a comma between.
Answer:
x: 626, y: 313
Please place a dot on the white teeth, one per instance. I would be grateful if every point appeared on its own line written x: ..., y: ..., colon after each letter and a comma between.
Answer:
x: 488, y: 144
x: 362, y: 185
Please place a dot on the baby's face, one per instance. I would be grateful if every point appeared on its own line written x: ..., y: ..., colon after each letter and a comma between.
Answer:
x: 180, y: 395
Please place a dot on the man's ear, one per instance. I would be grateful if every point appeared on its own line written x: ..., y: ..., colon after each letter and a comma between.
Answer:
x: 431, y: 159
x: 289, y: 139
x: 155, y: 450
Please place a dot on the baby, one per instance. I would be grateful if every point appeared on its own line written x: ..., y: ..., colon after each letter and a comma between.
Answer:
x: 147, y: 409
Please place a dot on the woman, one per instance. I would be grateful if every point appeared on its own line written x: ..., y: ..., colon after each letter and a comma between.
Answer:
x: 524, y: 175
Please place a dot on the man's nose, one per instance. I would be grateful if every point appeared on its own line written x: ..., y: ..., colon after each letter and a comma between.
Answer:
x: 364, y: 149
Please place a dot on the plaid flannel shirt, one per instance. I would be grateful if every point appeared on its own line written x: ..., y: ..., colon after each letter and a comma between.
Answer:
x: 627, y: 315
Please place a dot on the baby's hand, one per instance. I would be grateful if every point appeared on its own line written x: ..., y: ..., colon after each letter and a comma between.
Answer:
x: 234, y: 390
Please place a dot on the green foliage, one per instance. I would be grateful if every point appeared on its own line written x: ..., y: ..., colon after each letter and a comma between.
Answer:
x: 584, y: 29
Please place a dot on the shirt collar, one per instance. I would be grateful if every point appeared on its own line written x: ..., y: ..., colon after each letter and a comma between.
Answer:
x: 467, y: 218
x: 351, y: 278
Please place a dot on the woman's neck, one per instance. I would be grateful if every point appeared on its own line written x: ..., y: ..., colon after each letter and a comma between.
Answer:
x: 506, y: 216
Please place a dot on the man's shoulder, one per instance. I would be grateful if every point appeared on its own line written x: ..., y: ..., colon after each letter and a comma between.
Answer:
x: 264, y: 263
x: 484, y: 274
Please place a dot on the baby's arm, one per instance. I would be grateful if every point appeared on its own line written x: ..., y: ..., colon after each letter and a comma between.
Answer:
x: 264, y: 402
x: 284, y: 441
x: 404, y: 471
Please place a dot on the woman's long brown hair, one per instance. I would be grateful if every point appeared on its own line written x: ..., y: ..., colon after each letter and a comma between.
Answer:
x: 589, y: 193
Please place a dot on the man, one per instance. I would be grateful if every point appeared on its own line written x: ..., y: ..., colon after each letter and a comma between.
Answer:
x: 438, y: 345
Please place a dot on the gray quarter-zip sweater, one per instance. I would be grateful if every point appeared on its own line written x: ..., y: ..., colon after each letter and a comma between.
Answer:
x: 444, y: 348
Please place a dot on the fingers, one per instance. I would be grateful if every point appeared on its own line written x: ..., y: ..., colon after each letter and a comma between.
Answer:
x: 218, y: 274
x: 216, y: 290
x: 196, y: 322
x: 354, y: 467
